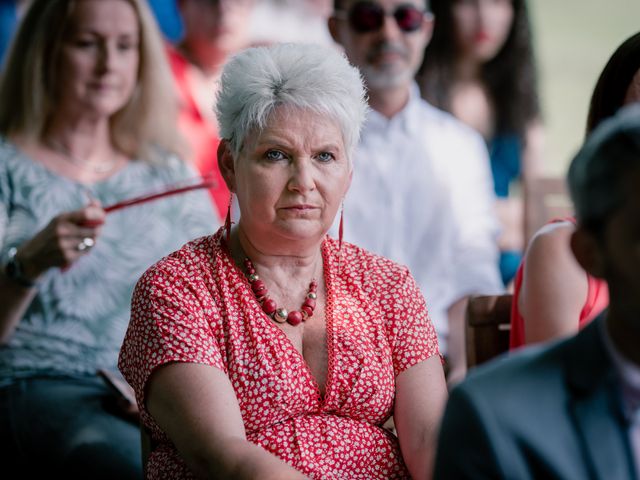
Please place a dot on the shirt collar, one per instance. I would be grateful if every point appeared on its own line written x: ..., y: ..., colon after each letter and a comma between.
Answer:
x: 628, y: 373
x: 405, y: 119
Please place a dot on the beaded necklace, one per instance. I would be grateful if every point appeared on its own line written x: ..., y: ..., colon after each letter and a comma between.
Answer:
x: 269, y: 306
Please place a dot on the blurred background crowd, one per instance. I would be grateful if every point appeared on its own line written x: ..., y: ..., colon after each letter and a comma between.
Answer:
x: 497, y: 107
x: 573, y: 40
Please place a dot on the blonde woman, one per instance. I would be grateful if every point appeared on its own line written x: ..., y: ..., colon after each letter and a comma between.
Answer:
x: 87, y: 118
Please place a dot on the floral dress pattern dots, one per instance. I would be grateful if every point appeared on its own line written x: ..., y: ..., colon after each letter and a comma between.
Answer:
x: 197, y: 306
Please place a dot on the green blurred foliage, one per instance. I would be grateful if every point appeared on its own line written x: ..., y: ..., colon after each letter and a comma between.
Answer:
x: 573, y: 40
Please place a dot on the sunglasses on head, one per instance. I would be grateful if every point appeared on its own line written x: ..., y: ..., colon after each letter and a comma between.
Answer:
x: 365, y: 17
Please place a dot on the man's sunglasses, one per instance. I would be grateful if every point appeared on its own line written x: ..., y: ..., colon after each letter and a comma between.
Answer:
x: 366, y: 17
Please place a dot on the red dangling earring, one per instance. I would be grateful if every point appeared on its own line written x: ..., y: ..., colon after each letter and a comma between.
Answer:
x: 227, y: 220
x: 341, y: 227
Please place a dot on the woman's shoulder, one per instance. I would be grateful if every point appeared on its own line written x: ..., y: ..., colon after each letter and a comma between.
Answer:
x: 16, y: 165
x: 556, y: 232
x: 359, y: 263
x: 550, y: 243
x: 188, y: 261
x: 8, y: 149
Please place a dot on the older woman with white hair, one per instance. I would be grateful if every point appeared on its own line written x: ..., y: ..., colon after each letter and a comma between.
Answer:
x: 270, y: 350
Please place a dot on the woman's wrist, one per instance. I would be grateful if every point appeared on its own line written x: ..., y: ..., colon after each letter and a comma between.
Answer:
x: 16, y: 271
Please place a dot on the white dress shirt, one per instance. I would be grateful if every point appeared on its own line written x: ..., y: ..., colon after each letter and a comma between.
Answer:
x: 422, y: 195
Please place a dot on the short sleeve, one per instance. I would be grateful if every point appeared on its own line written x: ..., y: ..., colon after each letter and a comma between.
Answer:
x: 169, y: 323
x: 411, y: 333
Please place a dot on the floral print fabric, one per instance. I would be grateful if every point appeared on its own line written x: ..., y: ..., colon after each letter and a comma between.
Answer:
x: 197, y: 306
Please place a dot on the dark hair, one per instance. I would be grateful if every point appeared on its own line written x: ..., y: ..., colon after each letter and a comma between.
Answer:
x: 510, y: 77
x: 613, y: 83
x: 596, y: 174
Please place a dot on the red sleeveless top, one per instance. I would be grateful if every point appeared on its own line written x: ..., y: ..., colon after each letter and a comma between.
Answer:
x: 597, y: 300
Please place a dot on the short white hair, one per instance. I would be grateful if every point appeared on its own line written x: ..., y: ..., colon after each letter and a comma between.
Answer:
x: 258, y: 80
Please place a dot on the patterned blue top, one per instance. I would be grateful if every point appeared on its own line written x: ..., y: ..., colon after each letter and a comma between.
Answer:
x: 505, y: 151
x: 77, y: 321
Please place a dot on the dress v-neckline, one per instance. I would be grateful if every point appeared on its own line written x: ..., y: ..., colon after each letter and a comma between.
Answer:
x: 328, y: 312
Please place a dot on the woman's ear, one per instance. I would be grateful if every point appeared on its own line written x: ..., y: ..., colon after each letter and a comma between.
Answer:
x: 588, y: 252
x: 225, y: 164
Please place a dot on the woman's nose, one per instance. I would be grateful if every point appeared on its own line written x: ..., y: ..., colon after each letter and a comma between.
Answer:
x: 302, y: 177
x: 106, y: 55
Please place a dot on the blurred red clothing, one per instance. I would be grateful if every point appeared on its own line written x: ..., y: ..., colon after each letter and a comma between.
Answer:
x: 201, y: 133
x: 597, y: 300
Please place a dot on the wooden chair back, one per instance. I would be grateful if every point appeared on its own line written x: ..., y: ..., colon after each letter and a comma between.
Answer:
x: 488, y: 324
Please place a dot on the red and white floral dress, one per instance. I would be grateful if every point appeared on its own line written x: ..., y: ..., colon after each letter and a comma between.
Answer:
x: 196, y: 306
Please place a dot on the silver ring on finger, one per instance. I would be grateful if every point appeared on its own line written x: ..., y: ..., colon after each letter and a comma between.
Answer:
x: 85, y: 244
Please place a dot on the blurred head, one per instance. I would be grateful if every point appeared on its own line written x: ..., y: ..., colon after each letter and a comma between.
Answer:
x: 221, y: 24
x: 618, y: 84
x: 290, y: 117
x: 481, y: 27
x: 604, y: 181
x: 384, y: 38
x: 103, y: 57
x: 98, y: 58
x: 602, y: 167
x: 496, y: 34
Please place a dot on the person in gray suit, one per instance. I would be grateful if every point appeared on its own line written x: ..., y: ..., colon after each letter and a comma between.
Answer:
x: 570, y: 409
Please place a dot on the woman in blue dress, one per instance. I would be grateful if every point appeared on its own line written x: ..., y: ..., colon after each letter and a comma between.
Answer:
x: 480, y: 66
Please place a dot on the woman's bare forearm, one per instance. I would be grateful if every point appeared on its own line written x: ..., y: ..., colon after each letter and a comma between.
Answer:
x: 242, y: 460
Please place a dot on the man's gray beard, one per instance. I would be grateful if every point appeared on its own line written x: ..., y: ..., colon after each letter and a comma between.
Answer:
x: 382, y: 80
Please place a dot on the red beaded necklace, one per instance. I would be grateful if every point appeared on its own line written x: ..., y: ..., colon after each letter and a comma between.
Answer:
x: 269, y: 306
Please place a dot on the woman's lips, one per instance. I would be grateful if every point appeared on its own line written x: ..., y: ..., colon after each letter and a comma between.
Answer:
x: 301, y: 206
x: 482, y: 37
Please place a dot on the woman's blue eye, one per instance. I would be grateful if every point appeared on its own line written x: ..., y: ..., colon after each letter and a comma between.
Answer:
x: 274, y: 155
x: 325, y: 156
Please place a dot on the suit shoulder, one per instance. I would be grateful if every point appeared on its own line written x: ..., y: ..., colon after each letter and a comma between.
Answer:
x: 522, y: 374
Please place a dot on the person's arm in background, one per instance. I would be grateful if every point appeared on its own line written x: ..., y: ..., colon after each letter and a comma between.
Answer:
x: 475, y: 266
x: 54, y: 246
x: 554, y: 286
x: 196, y: 406
x: 457, y: 353
x: 421, y: 394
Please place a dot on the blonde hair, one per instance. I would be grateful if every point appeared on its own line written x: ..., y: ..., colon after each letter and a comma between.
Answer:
x: 146, y: 125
